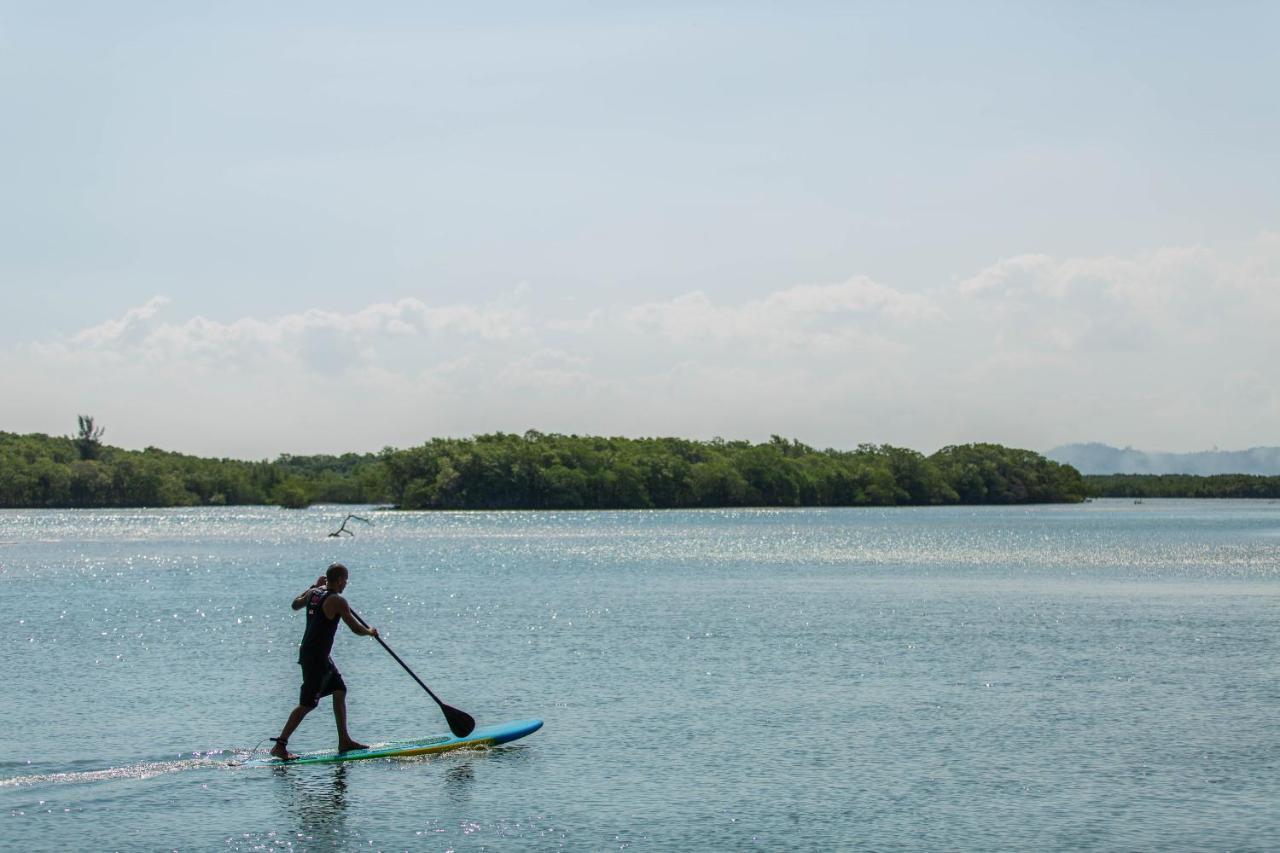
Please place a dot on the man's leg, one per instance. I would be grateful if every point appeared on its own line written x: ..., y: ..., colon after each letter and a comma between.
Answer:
x: 345, y: 743
x: 281, y: 750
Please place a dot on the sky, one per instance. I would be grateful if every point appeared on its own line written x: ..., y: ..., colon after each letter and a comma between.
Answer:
x: 246, y: 229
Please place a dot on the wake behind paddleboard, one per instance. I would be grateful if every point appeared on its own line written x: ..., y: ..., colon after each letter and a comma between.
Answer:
x: 482, y: 737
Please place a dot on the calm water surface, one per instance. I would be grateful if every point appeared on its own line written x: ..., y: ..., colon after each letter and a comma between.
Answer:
x: 1096, y: 676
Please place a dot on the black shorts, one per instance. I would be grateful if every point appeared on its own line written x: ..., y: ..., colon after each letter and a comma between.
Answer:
x: 319, y: 679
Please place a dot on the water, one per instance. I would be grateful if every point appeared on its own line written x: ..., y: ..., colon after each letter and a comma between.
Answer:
x: 1097, y: 676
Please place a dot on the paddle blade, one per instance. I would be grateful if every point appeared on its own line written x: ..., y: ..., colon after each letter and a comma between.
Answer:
x: 460, y: 722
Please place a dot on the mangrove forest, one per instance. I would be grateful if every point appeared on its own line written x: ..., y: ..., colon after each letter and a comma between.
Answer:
x: 532, y: 471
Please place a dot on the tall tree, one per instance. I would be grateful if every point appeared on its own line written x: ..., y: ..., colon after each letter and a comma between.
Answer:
x: 88, y: 441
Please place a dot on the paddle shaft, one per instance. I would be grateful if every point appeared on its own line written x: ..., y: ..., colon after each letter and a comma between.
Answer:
x: 402, y: 663
x: 460, y: 722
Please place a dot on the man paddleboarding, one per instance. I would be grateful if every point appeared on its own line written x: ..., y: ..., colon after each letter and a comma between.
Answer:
x: 325, y: 606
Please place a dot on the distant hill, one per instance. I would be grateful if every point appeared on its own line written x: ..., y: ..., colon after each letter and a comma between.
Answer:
x: 1095, y: 458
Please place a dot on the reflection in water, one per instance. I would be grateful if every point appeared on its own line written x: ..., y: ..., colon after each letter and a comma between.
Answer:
x: 318, y: 800
x: 458, y: 780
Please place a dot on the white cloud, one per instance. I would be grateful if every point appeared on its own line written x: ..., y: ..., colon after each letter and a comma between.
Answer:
x: 790, y: 317
x: 1008, y: 276
x: 129, y: 329
x: 1164, y: 300
x: 1170, y: 349
x: 547, y: 369
x: 323, y: 340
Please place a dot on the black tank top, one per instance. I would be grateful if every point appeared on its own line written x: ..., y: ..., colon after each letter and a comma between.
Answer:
x: 318, y: 639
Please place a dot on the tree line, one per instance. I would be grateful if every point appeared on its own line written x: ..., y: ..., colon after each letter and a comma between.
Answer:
x: 549, y: 471
x: 533, y: 471
x: 49, y: 471
x: 1183, y: 486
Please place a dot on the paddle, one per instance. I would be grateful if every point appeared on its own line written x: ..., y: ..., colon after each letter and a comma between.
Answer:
x: 460, y: 722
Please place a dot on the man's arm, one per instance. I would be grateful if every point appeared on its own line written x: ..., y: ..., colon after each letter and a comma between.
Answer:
x: 336, y: 605
x: 301, y: 601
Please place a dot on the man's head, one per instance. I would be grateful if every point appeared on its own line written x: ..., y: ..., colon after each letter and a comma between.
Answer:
x: 336, y: 574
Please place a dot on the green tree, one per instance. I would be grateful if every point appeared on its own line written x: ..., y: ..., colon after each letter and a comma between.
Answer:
x: 291, y: 494
x: 88, y: 438
x: 542, y: 470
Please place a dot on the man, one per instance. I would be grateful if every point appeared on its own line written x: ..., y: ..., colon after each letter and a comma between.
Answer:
x: 325, y: 606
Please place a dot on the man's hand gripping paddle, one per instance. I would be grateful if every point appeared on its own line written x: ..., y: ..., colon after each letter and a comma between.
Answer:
x: 460, y: 722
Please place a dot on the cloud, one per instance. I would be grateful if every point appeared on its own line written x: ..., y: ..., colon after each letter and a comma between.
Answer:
x: 1162, y: 300
x: 547, y: 369
x: 798, y: 316
x: 1169, y: 349
x: 1008, y: 277
x: 322, y: 340
x: 132, y: 327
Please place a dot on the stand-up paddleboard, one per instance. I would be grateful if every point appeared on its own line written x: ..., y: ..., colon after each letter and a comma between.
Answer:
x: 482, y: 737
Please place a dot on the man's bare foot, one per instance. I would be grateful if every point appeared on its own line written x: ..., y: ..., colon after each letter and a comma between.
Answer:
x: 349, y: 745
x: 281, y: 750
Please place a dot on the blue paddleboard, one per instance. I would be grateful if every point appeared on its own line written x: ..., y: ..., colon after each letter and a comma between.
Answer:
x: 482, y: 737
